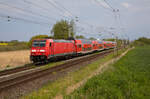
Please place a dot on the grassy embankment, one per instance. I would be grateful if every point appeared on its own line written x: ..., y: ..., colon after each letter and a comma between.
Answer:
x: 59, y: 86
x: 127, y: 79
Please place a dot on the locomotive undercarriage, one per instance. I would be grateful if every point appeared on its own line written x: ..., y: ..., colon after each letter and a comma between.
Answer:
x: 39, y: 58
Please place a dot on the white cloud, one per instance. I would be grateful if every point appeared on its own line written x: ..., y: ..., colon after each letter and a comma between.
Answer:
x: 126, y: 5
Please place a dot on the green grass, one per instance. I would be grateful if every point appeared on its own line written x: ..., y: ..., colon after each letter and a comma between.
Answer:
x: 129, y: 78
x: 59, y: 86
x: 53, y: 64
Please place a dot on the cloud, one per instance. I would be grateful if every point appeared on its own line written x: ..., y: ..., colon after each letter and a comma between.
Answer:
x: 125, y: 4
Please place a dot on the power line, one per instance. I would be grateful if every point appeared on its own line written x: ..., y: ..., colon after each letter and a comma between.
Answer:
x: 66, y: 10
x: 115, y: 11
x: 98, y: 2
x: 109, y: 5
x: 121, y: 24
x: 39, y: 6
x: 63, y: 7
x: 27, y: 11
x: 51, y: 3
x: 24, y: 16
x: 22, y: 19
x: 116, y: 14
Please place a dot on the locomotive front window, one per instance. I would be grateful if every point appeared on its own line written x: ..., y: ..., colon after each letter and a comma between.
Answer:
x: 39, y: 43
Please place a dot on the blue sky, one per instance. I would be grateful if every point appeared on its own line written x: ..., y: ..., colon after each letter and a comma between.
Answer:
x: 95, y: 18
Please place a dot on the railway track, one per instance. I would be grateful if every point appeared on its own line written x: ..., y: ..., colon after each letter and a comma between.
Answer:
x: 14, y: 81
x: 17, y: 69
x: 20, y: 69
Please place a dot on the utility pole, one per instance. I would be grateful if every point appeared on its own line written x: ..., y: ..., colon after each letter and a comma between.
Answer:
x: 115, y: 39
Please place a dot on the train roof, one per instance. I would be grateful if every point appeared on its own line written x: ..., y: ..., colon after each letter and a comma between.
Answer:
x: 64, y: 41
x: 55, y: 40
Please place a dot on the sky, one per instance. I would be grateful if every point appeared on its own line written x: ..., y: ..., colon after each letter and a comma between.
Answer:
x: 27, y: 18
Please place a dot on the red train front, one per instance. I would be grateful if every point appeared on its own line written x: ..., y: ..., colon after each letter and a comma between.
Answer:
x: 40, y: 50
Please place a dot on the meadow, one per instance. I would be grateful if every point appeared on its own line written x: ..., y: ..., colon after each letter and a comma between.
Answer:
x: 126, y: 79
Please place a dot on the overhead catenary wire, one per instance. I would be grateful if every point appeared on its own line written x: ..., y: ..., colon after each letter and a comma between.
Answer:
x: 122, y: 25
x: 41, y: 7
x: 23, y: 19
x: 63, y: 7
x: 28, y: 11
x: 109, y: 5
x: 110, y: 8
x: 115, y: 12
x: 33, y: 13
x: 99, y: 3
x: 23, y: 16
x: 61, y: 10
x: 75, y: 17
x: 117, y: 16
x: 58, y: 5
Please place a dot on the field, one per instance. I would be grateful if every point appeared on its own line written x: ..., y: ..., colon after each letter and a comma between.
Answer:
x: 14, y: 58
x: 126, y: 79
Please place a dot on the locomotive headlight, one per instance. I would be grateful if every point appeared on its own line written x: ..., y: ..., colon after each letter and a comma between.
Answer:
x: 42, y: 50
x: 33, y: 50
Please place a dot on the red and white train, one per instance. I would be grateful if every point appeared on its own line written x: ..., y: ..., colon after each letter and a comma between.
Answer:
x: 46, y: 49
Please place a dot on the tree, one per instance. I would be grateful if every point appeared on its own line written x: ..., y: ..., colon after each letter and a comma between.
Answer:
x: 142, y: 41
x: 92, y: 38
x: 109, y: 39
x: 63, y: 29
x: 37, y: 37
x: 80, y: 37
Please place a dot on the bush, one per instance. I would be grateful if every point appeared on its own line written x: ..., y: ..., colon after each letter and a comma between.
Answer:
x: 12, y: 46
x: 141, y: 42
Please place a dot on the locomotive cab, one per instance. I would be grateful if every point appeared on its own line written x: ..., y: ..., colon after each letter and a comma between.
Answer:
x: 40, y: 50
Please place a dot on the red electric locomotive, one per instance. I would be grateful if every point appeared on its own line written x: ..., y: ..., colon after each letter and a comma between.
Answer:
x: 43, y: 50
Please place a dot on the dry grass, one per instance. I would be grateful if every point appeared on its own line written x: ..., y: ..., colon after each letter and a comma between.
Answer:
x: 14, y: 58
